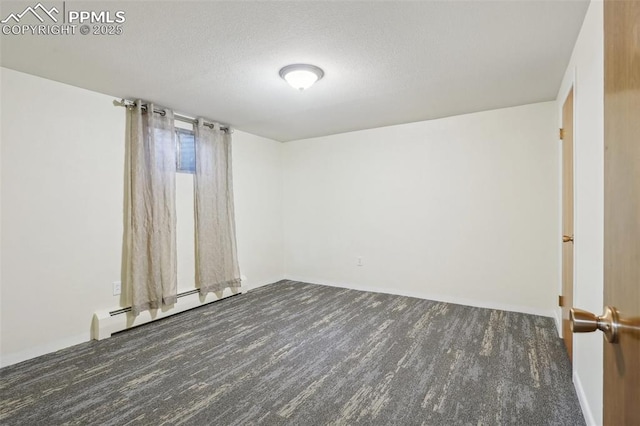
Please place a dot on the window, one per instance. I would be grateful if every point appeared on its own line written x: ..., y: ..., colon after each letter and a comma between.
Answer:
x: 186, y: 147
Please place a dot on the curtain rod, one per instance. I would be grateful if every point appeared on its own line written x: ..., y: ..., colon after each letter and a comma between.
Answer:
x: 179, y: 117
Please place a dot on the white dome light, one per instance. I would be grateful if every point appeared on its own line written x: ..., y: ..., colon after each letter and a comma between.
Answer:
x: 301, y: 76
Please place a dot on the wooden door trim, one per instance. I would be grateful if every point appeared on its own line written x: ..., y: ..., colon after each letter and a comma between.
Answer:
x: 621, y: 370
x: 567, y: 224
x: 562, y: 97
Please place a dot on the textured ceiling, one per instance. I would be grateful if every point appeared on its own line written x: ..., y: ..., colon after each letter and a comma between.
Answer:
x: 385, y: 62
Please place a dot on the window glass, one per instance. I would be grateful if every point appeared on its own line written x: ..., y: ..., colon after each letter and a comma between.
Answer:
x: 186, y: 151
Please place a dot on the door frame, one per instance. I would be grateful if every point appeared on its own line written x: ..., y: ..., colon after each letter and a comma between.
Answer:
x: 570, y: 90
x: 561, y: 99
x: 621, y: 272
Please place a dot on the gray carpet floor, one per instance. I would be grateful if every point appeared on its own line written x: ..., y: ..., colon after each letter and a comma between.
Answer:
x: 303, y: 354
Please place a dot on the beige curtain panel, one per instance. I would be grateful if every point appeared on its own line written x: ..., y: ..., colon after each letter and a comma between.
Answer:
x: 215, y: 236
x: 149, y: 255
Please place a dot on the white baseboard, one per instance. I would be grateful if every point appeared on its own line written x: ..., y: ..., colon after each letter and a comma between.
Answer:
x: 36, y: 351
x: 105, y: 323
x: 430, y: 296
x: 557, y: 316
x: 584, y: 404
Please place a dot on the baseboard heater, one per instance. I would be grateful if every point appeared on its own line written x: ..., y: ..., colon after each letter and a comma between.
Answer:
x: 107, y: 322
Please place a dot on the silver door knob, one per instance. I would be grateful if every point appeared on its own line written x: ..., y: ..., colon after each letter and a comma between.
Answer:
x: 586, y: 322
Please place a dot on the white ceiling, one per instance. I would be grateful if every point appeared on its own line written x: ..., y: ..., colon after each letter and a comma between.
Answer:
x: 385, y: 62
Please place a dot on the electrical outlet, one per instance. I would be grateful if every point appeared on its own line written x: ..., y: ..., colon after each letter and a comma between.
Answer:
x: 117, y: 288
x: 359, y: 261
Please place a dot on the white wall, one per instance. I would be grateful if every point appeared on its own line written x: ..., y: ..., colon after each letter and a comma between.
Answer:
x: 461, y: 209
x: 62, y: 191
x: 62, y: 154
x: 586, y: 73
x: 257, y: 184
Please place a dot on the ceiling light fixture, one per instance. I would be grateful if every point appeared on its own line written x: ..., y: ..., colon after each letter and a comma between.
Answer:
x: 301, y: 76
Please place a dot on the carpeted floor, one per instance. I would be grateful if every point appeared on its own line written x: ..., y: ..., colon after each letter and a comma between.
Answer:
x: 303, y: 354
